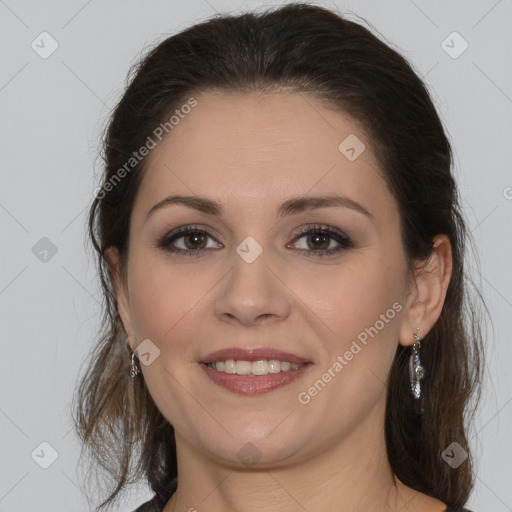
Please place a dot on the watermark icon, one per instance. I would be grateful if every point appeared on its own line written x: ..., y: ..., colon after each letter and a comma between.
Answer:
x: 507, y: 192
x: 143, y: 151
x: 44, y: 45
x: 44, y: 455
x: 249, y: 455
x: 454, y: 45
x: 44, y: 250
x: 351, y: 147
x: 147, y: 352
x: 454, y: 455
x: 249, y: 249
x: 304, y: 397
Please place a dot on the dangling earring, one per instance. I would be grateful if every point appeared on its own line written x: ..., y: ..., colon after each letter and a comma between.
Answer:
x: 134, y: 369
x: 416, y: 370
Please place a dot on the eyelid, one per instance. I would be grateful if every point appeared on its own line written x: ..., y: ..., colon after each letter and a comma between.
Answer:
x: 343, y: 240
x: 183, y: 230
x: 321, y: 227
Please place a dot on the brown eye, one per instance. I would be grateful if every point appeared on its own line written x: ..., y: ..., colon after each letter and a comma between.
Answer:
x: 189, y: 240
x: 318, y: 240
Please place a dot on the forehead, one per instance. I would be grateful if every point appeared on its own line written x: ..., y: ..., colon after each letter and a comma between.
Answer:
x: 242, y: 148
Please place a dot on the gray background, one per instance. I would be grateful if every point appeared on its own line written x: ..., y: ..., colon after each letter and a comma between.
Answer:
x: 52, y: 112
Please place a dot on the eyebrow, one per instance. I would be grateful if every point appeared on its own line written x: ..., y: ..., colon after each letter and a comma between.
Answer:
x: 288, y: 207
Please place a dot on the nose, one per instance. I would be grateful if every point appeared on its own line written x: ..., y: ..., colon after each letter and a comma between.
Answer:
x: 253, y: 293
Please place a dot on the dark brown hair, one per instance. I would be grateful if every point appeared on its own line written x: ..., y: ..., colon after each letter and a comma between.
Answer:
x: 316, y: 51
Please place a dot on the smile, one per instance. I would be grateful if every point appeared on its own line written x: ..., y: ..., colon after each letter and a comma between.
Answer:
x: 252, y: 372
x: 254, y: 368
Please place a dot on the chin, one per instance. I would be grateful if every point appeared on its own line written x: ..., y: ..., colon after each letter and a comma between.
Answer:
x: 256, y: 453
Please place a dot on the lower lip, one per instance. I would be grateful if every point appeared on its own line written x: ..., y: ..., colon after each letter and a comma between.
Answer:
x: 256, y: 385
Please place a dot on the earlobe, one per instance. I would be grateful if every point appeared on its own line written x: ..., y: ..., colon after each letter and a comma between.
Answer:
x: 428, y: 291
x: 121, y: 293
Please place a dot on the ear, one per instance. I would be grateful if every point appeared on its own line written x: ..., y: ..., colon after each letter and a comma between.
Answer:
x: 121, y: 292
x: 427, y: 292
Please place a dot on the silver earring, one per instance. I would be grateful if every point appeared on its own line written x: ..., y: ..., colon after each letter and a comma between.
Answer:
x: 134, y: 369
x: 416, y: 370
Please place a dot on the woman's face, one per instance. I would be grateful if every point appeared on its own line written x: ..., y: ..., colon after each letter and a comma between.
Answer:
x: 256, y: 289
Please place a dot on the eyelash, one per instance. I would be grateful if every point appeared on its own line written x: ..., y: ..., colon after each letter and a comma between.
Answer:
x: 344, y: 241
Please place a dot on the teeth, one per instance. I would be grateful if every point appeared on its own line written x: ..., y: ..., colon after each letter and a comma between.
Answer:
x: 259, y: 368
x: 285, y: 366
x: 252, y: 368
x: 229, y: 366
x: 274, y: 366
x: 243, y: 367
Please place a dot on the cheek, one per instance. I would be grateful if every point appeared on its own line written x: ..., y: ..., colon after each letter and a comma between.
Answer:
x: 362, y: 306
x: 161, y: 297
x: 357, y: 293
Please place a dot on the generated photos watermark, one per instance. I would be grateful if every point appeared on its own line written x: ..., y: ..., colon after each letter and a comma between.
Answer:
x: 304, y: 397
x: 151, y: 142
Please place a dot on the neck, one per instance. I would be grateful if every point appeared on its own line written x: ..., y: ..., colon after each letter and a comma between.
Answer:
x: 353, y: 474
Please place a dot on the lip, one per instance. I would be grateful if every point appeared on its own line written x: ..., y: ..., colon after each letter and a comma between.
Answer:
x: 255, y: 354
x: 257, y: 384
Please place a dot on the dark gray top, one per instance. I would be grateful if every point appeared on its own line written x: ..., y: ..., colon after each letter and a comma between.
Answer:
x: 157, y: 504
x: 153, y: 506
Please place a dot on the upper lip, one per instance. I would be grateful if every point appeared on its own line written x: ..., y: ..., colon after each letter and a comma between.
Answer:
x: 255, y: 354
